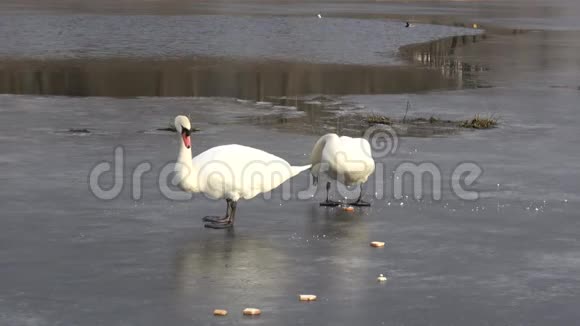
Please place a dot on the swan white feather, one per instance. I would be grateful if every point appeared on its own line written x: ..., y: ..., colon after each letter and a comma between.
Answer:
x: 239, y: 172
x: 230, y: 172
x: 345, y: 159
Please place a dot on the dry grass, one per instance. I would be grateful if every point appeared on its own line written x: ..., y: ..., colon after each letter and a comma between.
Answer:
x: 431, y: 119
x: 479, y: 122
x: 376, y: 118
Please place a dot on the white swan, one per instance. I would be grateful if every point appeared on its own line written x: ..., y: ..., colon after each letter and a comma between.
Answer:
x: 229, y: 172
x: 344, y: 159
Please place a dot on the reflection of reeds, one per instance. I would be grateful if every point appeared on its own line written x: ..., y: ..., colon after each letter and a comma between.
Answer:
x: 441, y: 54
x: 246, y: 79
x: 479, y: 122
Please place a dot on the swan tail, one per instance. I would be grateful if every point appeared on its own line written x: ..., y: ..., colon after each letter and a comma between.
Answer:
x: 298, y: 169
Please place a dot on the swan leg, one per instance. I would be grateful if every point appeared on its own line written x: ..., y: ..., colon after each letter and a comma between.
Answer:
x: 328, y: 202
x: 360, y: 201
x: 223, y: 222
x: 219, y: 219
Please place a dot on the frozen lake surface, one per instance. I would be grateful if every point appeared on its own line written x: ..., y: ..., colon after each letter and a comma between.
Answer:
x: 327, y: 40
x: 68, y: 258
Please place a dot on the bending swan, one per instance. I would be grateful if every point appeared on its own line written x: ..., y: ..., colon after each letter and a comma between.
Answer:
x: 343, y: 159
x: 229, y: 172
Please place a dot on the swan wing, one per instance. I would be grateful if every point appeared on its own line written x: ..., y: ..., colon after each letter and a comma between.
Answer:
x: 350, y: 160
x: 236, y: 171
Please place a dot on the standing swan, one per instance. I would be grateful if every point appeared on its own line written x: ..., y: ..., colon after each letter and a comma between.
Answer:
x: 343, y: 159
x: 228, y: 172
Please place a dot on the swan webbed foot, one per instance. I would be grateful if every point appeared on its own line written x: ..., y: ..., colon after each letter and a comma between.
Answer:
x: 215, y: 219
x: 360, y: 203
x: 330, y: 203
x: 218, y: 222
x: 219, y: 225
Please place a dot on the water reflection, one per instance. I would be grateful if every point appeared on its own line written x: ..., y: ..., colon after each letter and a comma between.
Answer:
x: 440, y: 54
x: 327, y: 255
x: 208, y: 77
x: 240, y: 78
x: 232, y: 269
x: 246, y: 79
x: 335, y: 223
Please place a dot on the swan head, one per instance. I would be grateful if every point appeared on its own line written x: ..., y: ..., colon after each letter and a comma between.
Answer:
x: 183, y: 127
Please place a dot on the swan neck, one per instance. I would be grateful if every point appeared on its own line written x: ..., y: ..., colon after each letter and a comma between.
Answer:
x: 316, y: 155
x: 186, y: 174
x: 184, y: 155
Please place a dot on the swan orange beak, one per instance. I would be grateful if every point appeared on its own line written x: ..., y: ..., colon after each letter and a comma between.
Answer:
x: 185, y: 135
